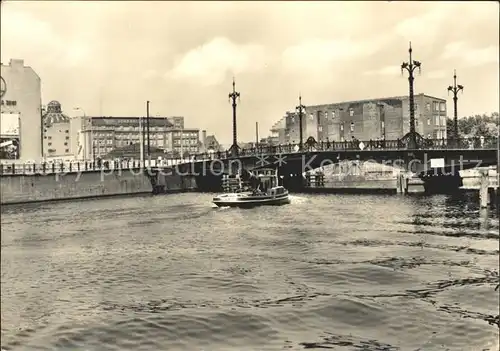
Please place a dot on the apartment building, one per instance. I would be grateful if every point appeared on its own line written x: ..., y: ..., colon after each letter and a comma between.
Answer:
x: 387, y: 118
x: 100, y: 135
x: 21, y: 114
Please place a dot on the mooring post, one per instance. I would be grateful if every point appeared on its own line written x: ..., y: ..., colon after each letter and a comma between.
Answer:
x: 484, y: 198
x: 402, y: 183
x: 398, y: 183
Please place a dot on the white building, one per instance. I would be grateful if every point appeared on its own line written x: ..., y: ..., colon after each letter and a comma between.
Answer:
x: 21, y: 115
x: 96, y: 136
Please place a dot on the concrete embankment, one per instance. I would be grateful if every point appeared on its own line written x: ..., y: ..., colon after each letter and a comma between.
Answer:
x: 16, y: 189
x: 472, y: 177
x: 354, y: 176
x: 362, y: 177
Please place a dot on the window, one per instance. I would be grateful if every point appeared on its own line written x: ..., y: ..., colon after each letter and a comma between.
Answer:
x: 436, y: 120
x: 352, y: 126
x: 351, y: 112
x: 67, y: 150
x: 333, y: 114
x: 342, y: 127
x: 442, y: 107
x: 428, y: 106
x: 320, y: 128
x: 326, y: 114
x: 428, y: 121
x: 435, y: 106
x: 50, y: 144
x: 67, y: 138
x: 65, y: 144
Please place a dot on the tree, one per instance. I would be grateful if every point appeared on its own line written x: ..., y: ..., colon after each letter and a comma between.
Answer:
x: 475, y: 126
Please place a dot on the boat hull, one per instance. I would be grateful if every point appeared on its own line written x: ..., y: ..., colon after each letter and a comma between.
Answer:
x: 251, y: 201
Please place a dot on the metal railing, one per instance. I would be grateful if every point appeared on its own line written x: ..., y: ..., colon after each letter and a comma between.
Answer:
x: 82, y: 166
x: 358, y: 146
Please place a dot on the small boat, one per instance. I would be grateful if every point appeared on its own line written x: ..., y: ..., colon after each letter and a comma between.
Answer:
x: 264, y: 192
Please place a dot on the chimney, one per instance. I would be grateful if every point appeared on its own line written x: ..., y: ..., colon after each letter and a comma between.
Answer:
x: 204, y: 138
x: 16, y: 63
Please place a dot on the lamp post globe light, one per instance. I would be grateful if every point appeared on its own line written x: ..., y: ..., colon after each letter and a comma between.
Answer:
x: 300, y: 108
x: 455, y: 89
x: 234, y: 95
x: 411, y: 66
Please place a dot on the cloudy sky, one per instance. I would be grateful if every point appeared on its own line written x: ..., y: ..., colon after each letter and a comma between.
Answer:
x: 110, y: 57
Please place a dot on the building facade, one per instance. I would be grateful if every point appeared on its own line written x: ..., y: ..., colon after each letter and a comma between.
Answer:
x: 209, y: 143
x: 387, y: 118
x: 56, y: 132
x: 21, y: 113
x: 98, y: 136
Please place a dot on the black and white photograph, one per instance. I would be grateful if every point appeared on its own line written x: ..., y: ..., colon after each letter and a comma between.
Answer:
x: 250, y: 175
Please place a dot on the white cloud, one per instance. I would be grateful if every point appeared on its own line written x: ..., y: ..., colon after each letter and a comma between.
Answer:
x: 315, y: 54
x: 149, y: 74
x: 211, y: 62
x: 420, y: 27
x: 482, y: 56
x: 19, y: 29
x: 396, y: 70
x: 471, y: 56
x: 384, y: 71
x: 24, y: 36
x: 436, y: 74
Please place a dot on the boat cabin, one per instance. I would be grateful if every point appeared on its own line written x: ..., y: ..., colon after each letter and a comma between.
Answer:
x: 268, y: 178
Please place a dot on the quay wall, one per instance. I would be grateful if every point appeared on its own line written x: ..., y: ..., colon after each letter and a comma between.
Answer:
x: 353, y: 175
x: 64, y: 186
x: 471, y: 178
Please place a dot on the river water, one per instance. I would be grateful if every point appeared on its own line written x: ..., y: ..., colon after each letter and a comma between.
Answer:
x: 342, y: 272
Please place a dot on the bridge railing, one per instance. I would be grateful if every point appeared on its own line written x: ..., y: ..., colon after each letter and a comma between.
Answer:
x: 85, y: 166
x: 360, y: 146
x: 370, y: 145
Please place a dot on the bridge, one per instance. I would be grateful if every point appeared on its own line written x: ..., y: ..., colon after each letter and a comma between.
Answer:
x: 437, y: 161
x: 452, y: 153
x: 431, y: 158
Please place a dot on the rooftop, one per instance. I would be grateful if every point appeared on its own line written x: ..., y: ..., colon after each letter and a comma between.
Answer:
x: 54, y: 114
x: 403, y: 97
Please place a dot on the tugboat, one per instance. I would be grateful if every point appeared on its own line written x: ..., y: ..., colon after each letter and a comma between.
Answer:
x: 251, y: 189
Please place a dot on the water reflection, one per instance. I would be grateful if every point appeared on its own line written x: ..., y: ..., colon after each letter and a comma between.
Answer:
x: 171, y: 272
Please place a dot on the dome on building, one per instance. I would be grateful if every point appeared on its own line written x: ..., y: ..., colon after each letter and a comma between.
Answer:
x: 54, y: 114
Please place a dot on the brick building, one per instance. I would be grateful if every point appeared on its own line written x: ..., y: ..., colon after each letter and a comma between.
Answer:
x: 387, y: 118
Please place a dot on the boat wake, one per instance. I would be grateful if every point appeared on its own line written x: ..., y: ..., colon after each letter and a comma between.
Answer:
x: 215, y: 207
x: 298, y: 199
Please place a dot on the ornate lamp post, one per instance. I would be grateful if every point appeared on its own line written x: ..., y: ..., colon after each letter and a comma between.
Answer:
x: 455, y: 89
x: 300, y: 109
x: 411, y: 66
x: 233, y: 96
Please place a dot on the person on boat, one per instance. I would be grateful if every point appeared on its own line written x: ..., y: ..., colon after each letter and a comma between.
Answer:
x: 257, y: 191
